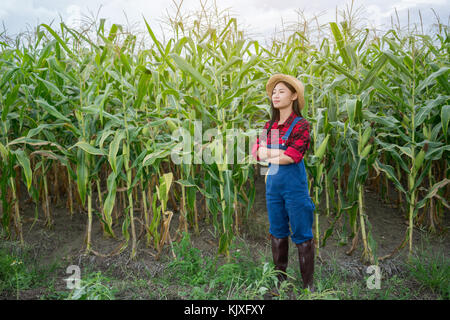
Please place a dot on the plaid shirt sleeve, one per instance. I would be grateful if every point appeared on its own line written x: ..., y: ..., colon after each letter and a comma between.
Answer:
x: 256, y: 144
x: 298, y: 142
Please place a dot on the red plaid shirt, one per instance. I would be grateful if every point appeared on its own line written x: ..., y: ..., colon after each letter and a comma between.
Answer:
x: 298, y: 141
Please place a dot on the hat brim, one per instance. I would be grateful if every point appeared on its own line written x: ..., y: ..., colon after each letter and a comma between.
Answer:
x: 294, y: 82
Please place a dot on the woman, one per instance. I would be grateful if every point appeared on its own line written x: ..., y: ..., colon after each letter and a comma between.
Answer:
x: 287, y: 192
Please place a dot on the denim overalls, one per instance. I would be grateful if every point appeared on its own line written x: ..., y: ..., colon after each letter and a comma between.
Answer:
x: 287, y: 197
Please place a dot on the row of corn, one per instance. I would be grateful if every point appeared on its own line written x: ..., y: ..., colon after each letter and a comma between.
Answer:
x: 89, y: 122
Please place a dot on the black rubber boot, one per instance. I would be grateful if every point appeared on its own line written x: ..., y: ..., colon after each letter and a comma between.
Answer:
x: 306, y: 260
x: 280, y: 250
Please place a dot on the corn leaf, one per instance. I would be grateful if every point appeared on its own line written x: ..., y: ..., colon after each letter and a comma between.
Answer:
x: 340, y: 43
x: 24, y: 162
x: 52, y: 110
x: 88, y: 148
x: 189, y: 69
x: 445, y: 117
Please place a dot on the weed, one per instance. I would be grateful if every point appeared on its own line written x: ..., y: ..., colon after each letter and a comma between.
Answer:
x: 18, y: 272
x: 431, y: 270
x: 93, y: 287
x: 239, y: 278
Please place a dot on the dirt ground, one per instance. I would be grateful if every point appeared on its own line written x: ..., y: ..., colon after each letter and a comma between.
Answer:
x: 65, y: 241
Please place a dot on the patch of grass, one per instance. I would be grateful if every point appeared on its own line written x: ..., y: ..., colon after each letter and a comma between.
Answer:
x: 191, y: 267
x: 340, y: 284
x: 19, y: 272
x: 202, y: 277
x: 395, y: 287
x: 431, y: 270
x: 333, y: 281
x: 328, y: 277
x: 93, y: 286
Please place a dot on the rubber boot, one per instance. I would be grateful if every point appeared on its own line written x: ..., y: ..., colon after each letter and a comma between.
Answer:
x: 306, y: 260
x: 280, y: 249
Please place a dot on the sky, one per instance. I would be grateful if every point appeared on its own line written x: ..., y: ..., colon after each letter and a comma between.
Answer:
x: 260, y: 18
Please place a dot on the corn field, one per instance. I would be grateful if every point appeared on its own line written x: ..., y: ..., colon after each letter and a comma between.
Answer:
x: 89, y: 121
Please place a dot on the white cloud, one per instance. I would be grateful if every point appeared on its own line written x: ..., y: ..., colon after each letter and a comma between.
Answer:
x: 74, y: 16
x: 428, y: 2
x: 410, y: 4
x: 257, y: 16
x: 17, y: 15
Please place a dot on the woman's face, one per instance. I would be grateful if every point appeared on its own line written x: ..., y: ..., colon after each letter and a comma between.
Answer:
x: 282, y: 97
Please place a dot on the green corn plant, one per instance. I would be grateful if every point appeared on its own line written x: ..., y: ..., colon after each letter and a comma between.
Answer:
x: 360, y: 160
x: 359, y: 78
x: 316, y: 166
x: 106, y: 108
x: 162, y: 192
x: 416, y: 113
x: 9, y: 157
x: 221, y: 99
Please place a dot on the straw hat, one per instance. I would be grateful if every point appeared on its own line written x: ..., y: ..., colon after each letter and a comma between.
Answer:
x: 298, y: 86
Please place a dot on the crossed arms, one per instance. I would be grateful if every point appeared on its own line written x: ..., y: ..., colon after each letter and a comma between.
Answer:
x: 275, y: 156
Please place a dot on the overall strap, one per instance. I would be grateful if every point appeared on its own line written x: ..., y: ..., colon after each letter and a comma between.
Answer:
x: 287, y: 134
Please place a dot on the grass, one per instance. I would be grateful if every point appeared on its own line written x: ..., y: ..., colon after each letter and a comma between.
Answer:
x: 93, y: 287
x: 242, y: 277
x: 246, y: 275
x: 426, y: 277
x: 203, y: 277
x: 432, y: 271
x: 19, y: 272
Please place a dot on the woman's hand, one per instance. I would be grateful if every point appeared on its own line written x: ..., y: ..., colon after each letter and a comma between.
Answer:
x: 280, y: 159
x: 262, y: 150
x: 265, y: 153
x: 263, y: 143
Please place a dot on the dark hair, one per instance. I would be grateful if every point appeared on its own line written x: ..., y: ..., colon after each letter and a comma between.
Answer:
x: 276, y: 112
